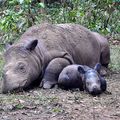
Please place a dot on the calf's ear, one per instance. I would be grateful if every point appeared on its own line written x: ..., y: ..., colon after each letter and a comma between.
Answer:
x: 103, y: 84
x: 81, y: 70
x: 97, y: 67
x: 31, y: 45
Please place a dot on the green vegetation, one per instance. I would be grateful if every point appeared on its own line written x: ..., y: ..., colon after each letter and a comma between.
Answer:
x: 16, y: 16
x: 115, y: 58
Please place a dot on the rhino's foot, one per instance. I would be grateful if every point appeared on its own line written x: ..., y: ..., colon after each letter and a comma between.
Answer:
x: 48, y: 85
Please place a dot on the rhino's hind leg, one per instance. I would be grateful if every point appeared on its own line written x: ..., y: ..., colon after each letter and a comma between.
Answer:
x: 105, y: 57
x: 52, y: 72
x: 104, y: 60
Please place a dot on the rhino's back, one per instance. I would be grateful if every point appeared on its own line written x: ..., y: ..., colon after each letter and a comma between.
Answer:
x: 73, y: 38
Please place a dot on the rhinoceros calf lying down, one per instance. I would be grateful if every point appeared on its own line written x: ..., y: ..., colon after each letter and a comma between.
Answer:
x: 82, y: 77
x: 26, y: 61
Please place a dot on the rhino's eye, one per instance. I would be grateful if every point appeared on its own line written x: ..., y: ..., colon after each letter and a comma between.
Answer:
x: 21, y: 67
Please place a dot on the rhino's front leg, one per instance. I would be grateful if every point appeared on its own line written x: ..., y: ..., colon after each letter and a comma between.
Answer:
x: 52, y: 72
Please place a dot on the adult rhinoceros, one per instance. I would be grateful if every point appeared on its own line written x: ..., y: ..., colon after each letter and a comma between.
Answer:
x: 59, y: 45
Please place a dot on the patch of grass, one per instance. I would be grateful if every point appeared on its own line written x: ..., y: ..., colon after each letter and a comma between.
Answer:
x: 17, y: 99
x: 19, y: 106
x: 56, y: 110
x: 115, y: 58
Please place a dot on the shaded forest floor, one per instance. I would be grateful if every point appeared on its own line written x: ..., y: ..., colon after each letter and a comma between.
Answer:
x: 57, y: 104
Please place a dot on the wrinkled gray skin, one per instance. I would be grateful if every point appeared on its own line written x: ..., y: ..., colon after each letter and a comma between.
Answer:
x: 82, y: 77
x: 70, y: 77
x: 26, y: 61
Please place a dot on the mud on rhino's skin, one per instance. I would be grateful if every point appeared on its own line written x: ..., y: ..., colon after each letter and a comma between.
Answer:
x: 25, y: 61
x: 82, y: 77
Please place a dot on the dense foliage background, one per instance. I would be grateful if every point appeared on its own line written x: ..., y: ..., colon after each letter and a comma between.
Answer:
x: 102, y: 16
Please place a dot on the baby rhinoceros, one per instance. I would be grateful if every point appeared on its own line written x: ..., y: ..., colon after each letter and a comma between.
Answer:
x: 84, y: 78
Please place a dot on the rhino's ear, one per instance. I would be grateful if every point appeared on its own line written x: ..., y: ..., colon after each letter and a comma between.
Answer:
x: 81, y: 70
x: 103, y: 84
x: 31, y: 45
x: 97, y: 67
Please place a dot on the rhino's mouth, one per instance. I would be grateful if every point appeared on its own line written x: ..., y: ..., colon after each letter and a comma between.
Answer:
x: 11, y: 90
x: 95, y: 92
x: 16, y: 87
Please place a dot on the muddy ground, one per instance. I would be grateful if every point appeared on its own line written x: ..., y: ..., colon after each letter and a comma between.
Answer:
x: 57, y: 104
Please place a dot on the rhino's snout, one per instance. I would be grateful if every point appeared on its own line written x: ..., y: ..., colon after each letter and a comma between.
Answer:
x: 10, y: 85
x: 6, y: 88
x: 95, y: 91
x: 9, y: 89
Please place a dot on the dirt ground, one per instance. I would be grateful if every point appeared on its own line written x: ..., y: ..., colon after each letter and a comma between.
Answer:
x: 57, y: 104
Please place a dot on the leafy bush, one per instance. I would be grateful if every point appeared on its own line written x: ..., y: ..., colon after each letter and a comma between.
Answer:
x: 101, y: 16
x: 18, y: 15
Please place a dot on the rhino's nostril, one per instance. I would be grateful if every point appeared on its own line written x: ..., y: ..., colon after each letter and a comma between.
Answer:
x: 95, y: 91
